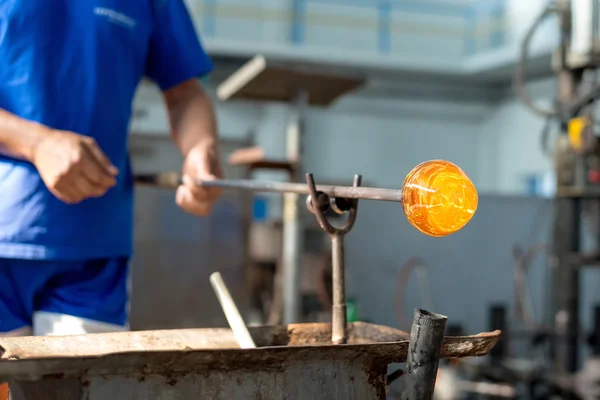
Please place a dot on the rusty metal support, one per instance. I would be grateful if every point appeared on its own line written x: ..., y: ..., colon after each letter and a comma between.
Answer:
x: 424, y: 349
x: 317, y: 202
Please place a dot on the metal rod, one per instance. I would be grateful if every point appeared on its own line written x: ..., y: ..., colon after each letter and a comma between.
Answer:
x: 235, y: 320
x: 168, y: 180
x: 338, y: 312
x: 292, y: 246
x: 292, y: 224
x: 424, y: 348
x: 344, y: 192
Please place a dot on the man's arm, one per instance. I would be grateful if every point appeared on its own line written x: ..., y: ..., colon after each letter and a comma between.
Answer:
x: 72, y: 166
x: 176, y: 59
x: 194, y: 130
x: 20, y: 137
x: 191, y: 116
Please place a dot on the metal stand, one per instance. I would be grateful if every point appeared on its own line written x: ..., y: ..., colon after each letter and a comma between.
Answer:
x: 317, y: 203
x: 427, y: 332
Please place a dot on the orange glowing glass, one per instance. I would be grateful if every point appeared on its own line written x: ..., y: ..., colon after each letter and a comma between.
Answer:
x: 438, y: 198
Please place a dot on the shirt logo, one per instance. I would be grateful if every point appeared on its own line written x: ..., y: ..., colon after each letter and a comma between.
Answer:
x: 115, y: 17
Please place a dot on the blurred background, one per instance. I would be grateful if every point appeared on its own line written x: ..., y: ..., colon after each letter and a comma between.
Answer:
x: 437, y: 81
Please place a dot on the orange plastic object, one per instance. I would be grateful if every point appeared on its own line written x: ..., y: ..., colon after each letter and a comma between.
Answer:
x: 4, y: 391
x: 438, y: 198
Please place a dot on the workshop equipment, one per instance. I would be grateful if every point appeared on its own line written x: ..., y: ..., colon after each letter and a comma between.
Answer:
x: 295, y: 361
x: 577, y: 161
x: 316, y: 361
x: 435, y: 184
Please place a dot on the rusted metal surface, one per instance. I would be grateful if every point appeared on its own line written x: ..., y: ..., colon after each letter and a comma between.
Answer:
x: 316, y: 379
x: 172, y: 350
x: 297, y: 360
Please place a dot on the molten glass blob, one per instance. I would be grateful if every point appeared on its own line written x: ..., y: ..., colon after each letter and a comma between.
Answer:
x: 438, y: 198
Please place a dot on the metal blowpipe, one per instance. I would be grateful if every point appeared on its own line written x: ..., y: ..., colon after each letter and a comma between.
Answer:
x: 171, y: 180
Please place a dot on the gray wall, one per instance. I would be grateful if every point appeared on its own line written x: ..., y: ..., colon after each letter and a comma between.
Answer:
x: 175, y: 253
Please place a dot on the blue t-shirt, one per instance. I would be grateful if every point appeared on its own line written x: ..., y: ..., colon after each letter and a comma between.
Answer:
x: 75, y: 65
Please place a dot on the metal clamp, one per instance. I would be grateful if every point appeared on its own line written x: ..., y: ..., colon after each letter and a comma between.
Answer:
x: 317, y: 203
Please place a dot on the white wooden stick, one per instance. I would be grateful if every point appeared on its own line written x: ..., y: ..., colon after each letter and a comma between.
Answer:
x: 231, y: 312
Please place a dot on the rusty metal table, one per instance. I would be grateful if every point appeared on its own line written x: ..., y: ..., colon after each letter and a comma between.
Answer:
x: 291, y: 362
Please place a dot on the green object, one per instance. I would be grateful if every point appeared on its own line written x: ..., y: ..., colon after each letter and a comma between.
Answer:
x: 351, y: 311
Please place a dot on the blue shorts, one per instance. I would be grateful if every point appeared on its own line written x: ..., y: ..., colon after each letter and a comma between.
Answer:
x: 97, y: 290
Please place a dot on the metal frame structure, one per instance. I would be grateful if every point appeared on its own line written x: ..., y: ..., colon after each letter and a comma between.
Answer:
x: 577, y: 162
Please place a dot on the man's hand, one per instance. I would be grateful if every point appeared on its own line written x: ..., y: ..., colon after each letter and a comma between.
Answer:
x: 73, y: 167
x: 194, y: 130
x: 201, y: 163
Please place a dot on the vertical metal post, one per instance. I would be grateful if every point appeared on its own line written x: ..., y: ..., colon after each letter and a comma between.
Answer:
x: 498, y: 321
x: 292, y: 229
x: 595, y: 335
x: 567, y: 290
x: 566, y: 242
x: 338, y: 316
x: 424, y: 348
x: 339, y: 319
x: 567, y: 227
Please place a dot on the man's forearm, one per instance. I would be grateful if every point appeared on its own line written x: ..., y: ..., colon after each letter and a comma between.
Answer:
x: 19, y: 137
x: 191, y: 116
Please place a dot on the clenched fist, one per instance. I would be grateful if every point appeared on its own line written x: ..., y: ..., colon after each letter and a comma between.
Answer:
x: 73, y: 167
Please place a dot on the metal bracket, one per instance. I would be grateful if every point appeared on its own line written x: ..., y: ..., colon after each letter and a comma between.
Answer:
x: 317, y: 203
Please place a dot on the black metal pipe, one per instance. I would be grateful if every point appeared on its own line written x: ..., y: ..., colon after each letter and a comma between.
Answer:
x: 424, y: 348
x: 595, y: 335
x: 498, y: 321
x: 571, y: 294
x: 172, y: 180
